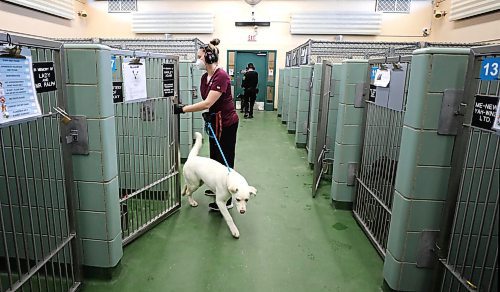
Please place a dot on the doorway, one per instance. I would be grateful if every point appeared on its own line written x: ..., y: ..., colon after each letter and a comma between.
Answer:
x: 265, y: 64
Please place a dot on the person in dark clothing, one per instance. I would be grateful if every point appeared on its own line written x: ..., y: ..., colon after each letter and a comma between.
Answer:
x: 250, y: 82
x: 217, y: 98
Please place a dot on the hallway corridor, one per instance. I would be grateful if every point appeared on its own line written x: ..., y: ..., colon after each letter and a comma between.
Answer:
x: 289, y: 241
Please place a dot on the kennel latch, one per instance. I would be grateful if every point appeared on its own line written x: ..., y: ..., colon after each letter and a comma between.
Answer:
x: 76, y: 135
x: 452, y: 112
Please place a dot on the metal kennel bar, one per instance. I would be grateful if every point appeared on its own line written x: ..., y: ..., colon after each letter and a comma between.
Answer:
x: 468, y: 243
x: 148, y: 148
x: 321, y: 144
x: 380, y: 151
x: 186, y: 49
x: 315, y: 51
x: 39, y: 247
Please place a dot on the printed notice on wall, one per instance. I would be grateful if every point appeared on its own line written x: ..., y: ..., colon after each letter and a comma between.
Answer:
x: 382, y: 78
x: 18, y: 100
x: 134, y: 81
x: 485, y: 112
x: 45, y: 77
x: 168, y: 80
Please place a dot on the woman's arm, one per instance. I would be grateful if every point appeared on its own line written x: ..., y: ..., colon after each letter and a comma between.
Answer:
x: 212, y: 97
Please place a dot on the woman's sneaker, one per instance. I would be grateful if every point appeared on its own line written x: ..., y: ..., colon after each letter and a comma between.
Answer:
x: 209, y: 193
x: 213, y: 206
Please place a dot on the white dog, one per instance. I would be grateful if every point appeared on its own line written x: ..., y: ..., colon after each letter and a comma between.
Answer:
x: 224, y: 183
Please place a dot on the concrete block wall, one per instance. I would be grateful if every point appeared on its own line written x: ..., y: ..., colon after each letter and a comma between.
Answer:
x: 313, y: 113
x: 292, y: 100
x: 305, y: 75
x: 423, y: 166
x: 286, y: 94
x: 349, y: 129
x: 89, y: 92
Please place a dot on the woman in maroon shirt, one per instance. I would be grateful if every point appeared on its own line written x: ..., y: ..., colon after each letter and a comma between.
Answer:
x: 217, y: 98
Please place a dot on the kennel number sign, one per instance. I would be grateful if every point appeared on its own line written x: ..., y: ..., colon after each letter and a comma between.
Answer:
x: 490, y: 69
x: 168, y: 80
x: 485, y: 109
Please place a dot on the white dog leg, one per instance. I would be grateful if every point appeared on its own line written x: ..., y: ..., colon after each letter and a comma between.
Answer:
x: 229, y: 220
x: 189, y: 190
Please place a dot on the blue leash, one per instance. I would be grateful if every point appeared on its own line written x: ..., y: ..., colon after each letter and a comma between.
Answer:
x: 218, y: 145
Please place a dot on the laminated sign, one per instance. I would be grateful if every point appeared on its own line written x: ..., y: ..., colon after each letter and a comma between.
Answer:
x: 382, y: 78
x: 18, y: 100
x: 45, y: 77
x: 485, y: 115
x: 168, y: 80
x: 134, y: 81
x: 496, y: 123
x: 117, y: 92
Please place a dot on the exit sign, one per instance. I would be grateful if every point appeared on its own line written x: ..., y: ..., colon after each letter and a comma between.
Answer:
x: 252, y: 38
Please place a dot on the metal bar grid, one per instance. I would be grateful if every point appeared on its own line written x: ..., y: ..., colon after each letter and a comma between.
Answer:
x: 377, y: 173
x: 39, y: 249
x: 470, y: 253
x: 336, y: 51
x: 147, y: 147
x: 379, y: 159
x: 186, y: 49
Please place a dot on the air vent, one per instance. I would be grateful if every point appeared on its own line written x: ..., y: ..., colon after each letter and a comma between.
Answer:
x: 347, y: 23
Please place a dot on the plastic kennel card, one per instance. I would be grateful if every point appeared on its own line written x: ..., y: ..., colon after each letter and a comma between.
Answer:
x: 134, y: 81
x: 18, y: 100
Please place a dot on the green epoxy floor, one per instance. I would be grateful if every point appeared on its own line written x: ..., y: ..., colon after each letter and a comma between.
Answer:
x: 289, y: 241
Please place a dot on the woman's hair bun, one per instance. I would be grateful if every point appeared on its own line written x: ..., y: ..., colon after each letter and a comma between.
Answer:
x: 215, y: 42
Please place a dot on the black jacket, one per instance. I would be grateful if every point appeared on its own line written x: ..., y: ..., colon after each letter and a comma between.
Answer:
x: 250, y: 80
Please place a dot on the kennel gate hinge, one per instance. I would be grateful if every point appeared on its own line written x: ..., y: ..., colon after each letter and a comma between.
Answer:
x: 194, y: 92
x: 352, y: 172
x: 359, y: 100
x: 452, y: 112
x: 427, y: 252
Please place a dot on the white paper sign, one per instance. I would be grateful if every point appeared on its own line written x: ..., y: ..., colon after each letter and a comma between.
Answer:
x: 231, y: 72
x: 18, y: 100
x: 134, y: 81
x: 382, y: 78
x: 496, y: 123
x: 271, y: 72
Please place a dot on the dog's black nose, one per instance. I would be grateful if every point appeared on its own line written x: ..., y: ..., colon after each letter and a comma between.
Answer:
x: 242, y: 211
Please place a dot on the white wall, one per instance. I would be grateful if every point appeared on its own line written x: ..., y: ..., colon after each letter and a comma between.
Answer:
x: 396, y: 27
x: 100, y: 23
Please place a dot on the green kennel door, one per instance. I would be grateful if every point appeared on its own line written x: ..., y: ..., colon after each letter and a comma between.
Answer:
x: 259, y: 60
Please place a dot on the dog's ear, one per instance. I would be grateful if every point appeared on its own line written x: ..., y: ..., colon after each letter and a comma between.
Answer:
x: 253, y: 191
x: 233, y: 189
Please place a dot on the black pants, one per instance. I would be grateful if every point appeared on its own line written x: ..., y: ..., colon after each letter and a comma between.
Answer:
x: 244, y: 103
x: 250, y: 97
x: 227, y: 143
x: 250, y: 103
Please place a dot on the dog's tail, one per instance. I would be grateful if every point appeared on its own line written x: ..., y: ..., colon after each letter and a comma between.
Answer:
x: 197, y: 145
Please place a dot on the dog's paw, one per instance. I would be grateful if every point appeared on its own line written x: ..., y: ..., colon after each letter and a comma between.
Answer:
x: 192, y: 202
x: 235, y: 233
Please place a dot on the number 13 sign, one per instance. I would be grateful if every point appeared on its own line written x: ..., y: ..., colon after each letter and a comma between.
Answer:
x: 490, y: 69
